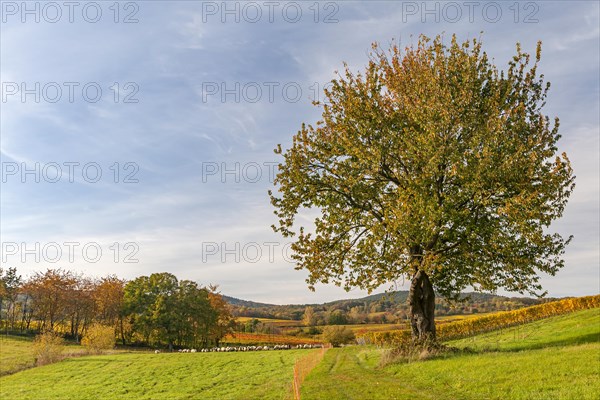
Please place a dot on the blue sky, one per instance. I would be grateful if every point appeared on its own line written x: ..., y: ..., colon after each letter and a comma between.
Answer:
x: 201, y: 156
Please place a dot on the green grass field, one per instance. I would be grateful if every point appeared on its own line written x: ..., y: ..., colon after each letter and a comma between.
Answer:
x: 564, y: 330
x: 253, y: 375
x: 16, y: 353
x: 555, y: 358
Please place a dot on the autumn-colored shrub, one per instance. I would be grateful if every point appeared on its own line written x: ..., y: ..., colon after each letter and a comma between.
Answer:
x: 99, y: 338
x: 48, y: 348
x: 338, y: 335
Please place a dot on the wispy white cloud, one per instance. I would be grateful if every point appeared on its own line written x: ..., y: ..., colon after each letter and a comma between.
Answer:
x: 173, y: 130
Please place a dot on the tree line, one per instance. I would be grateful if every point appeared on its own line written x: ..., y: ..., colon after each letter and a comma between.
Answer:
x: 155, y: 310
x: 390, y: 308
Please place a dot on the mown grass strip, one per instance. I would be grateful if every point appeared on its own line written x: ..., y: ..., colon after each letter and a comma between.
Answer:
x: 555, y: 358
x: 303, y: 366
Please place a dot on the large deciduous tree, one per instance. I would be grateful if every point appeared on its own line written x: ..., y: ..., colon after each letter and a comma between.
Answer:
x: 10, y: 286
x: 222, y: 322
x: 51, y: 294
x: 108, y: 298
x: 431, y: 165
x: 165, y: 310
x: 150, y: 302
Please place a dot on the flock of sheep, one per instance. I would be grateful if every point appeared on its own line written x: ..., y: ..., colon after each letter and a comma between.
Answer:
x: 250, y: 348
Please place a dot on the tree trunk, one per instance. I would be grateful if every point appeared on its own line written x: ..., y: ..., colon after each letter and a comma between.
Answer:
x: 421, y: 299
x: 122, y: 331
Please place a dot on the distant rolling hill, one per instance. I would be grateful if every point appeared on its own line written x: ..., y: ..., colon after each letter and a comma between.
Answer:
x: 245, y: 303
x: 393, y: 304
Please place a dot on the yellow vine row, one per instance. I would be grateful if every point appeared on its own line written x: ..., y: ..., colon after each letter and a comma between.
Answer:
x: 490, y: 322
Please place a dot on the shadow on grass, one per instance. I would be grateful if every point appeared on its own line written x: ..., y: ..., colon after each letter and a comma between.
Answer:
x: 20, y: 368
x: 87, y: 360
x: 20, y: 338
x: 452, y: 352
x: 490, y: 348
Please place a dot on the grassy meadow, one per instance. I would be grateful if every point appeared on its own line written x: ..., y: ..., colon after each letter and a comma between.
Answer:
x: 252, y: 375
x: 16, y: 353
x: 552, y: 358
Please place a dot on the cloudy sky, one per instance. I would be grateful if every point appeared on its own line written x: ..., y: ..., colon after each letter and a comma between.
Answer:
x: 146, y: 130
